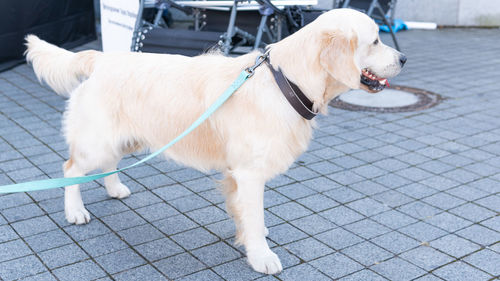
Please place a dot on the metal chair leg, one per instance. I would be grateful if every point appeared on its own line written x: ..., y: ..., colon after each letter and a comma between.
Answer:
x: 230, y: 29
x: 258, y: 38
x: 389, y: 24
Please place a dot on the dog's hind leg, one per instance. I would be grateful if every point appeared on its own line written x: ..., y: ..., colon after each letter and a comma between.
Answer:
x: 248, y: 209
x: 73, y: 204
x: 114, y: 187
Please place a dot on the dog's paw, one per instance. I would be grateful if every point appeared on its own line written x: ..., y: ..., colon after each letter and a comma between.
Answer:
x: 264, y: 261
x: 77, y: 215
x: 118, y: 191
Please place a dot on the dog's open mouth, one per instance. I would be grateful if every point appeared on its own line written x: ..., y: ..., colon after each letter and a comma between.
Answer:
x: 372, y: 82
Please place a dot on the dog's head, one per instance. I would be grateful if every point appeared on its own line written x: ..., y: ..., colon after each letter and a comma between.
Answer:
x: 352, y: 53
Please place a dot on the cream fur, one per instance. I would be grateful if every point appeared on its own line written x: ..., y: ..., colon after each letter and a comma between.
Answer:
x: 122, y: 102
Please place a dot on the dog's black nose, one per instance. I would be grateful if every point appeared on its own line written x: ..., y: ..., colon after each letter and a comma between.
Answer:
x: 402, y: 59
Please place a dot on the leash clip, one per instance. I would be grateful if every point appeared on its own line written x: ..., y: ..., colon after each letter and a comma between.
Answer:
x: 260, y: 59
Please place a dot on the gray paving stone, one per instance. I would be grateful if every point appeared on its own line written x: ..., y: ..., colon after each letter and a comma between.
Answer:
x: 139, y: 274
x: 287, y: 259
x: 120, y: 261
x: 440, y: 183
x: 490, y: 202
x: 158, y: 249
x: 13, y: 249
x: 207, y: 215
x: 61, y: 256
x: 140, y: 234
x: 194, y: 238
x: 201, y: 275
x: 367, y: 228
x: 302, y: 272
x: 34, y: 226
x: 426, y: 258
x: 86, y: 231
x: 154, y: 181
x: 223, y: 229
x: 398, y: 269
x: 393, y: 219
x: 7, y: 233
x: 175, y: 224
x: 157, y: 212
x: 395, y: 242
x: 123, y: 220
x: 343, y: 194
x: 493, y: 223
x: 308, y: 249
x: 313, y: 224
x: 216, y: 254
x: 22, y: 212
x: 48, y: 240
x: 22, y: 267
x: 454, y: 245
x: 392, y: 198
x: 46, y: 276
x: 460, y: 271
x: 418, y: 210
x: 85, y: 270
x: 472, y: 212
x: 392, y: 180
x: 336, y: 265
x: 324, y: 167
x: 341, y: 215
x: 480, y: 234
x: 318, y: 202
x: 363, y: 275
x: 103, y: 244
x: 285, y: 233
x: 290, y: 211
x: 486, y: 185
x: 172, y: 192
x: 367, y: 253
x: 106, y: 208
x: 141, y: 199
x: 295, y: 191
x: 338, y: 238
x: 188, y: 203
x: 486, y: 260
x: 185, y: 175
x: 179, y: 265
x: 321, y: 184
x: 368, y: 187
x: 345, y: 177
x: 273, y: 198
x: 368, y: 206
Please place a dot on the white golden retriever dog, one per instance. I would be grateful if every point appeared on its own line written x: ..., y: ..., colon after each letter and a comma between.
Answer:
x: 120, y: 103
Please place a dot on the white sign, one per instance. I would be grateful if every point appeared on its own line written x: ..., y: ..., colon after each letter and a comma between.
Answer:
x: 118, y: 19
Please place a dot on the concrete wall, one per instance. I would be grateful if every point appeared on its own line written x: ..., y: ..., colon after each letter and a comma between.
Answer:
x: 446, y: 12
x: 451, y: 12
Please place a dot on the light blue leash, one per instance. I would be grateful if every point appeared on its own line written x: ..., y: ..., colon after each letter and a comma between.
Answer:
x: 60, y: 182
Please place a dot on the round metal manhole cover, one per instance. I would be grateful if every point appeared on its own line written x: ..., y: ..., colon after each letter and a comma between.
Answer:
x: 394, y: 99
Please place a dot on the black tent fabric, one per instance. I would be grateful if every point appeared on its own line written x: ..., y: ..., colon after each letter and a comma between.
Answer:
x: 65, y: 23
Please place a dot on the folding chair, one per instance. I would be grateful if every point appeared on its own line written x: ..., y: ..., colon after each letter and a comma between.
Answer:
x: 377, y: 9
x: 229, y: 24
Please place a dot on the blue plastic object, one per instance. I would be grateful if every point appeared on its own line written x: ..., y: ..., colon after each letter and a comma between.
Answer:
x: 397, y: 26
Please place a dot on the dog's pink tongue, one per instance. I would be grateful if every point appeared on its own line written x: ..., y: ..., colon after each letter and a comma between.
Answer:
x: 385, y: 82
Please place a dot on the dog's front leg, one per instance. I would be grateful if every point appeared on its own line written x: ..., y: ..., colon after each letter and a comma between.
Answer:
x: 249, y: 207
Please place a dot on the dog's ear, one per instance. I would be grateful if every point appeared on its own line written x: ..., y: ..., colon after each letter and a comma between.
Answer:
x: 337, y: 57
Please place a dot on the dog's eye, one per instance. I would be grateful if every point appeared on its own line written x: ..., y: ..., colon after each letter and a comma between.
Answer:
x: 375, y: 42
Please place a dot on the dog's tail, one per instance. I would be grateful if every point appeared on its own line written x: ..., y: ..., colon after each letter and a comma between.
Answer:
x: 62, y: 70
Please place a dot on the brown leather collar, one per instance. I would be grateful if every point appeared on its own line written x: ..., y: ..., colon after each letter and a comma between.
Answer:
x: 297, y: 99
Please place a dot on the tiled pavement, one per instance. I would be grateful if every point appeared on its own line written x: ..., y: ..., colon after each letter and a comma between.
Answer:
x: 406, y: 196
